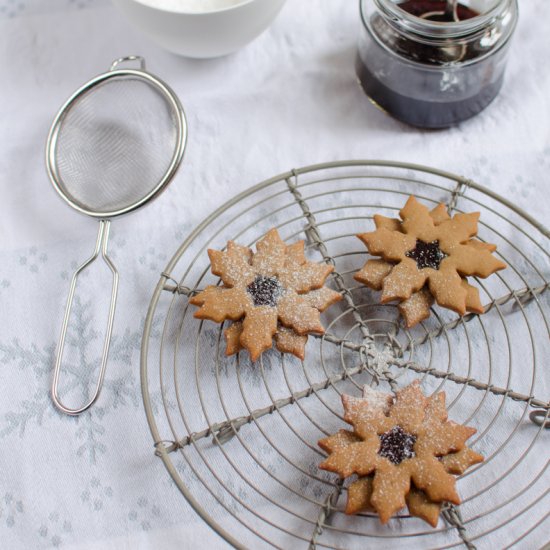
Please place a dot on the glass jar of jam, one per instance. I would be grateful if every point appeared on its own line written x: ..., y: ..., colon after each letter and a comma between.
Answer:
x: 430, y: 67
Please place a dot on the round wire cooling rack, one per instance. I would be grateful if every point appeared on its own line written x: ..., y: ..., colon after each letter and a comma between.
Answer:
x: 240, y: 439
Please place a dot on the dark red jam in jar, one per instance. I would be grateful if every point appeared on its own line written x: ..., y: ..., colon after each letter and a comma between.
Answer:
x: 428, y: 69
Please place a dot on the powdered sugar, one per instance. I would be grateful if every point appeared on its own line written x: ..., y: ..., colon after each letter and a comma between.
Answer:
x: 192, y: 6
x: 377, y: 400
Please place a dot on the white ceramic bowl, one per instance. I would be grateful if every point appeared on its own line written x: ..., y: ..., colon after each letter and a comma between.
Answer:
x: 205, y: 34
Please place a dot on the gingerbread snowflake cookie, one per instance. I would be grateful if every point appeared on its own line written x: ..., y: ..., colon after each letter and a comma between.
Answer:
x: 427, y: 256
x: 273, y: 294
x: 404, y: 451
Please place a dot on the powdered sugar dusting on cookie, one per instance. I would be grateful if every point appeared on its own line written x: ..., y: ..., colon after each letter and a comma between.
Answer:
x: 265, y: 290
x: 402, y: 443
x: 376, y: 399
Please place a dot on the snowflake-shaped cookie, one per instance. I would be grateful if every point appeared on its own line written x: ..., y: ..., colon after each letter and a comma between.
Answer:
x: 427, y: 255
x: 271, y: 294
x: 404, y: 451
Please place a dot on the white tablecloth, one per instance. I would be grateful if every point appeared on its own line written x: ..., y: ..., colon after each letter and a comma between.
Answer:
x: 287, y: 100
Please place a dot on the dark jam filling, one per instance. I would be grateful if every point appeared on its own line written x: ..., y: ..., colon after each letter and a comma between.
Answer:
x: 427, y: 254
x: 425, y: 113
x: 265, y: 291
x: 421, y: 7
x: 396, y: 445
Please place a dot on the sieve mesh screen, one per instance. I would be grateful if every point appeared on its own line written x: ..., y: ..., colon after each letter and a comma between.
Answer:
x: 115, y: 144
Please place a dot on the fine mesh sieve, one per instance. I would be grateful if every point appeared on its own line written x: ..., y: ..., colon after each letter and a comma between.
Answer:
x: 114, y: 145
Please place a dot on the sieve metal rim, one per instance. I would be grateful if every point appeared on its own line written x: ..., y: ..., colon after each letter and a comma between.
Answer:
x: 181, y: 139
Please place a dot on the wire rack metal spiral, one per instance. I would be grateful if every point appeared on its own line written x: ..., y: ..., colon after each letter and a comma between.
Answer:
x: 239, y: 439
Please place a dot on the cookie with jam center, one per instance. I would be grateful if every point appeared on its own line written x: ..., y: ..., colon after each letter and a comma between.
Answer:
x: 426, y: 256
x: 272, y: 294
x: 404, y: 450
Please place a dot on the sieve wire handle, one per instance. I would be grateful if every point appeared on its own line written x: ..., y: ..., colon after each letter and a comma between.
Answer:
x: 100, y: 247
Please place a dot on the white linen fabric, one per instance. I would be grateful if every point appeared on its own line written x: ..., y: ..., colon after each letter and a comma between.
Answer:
x: 289, y: 99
